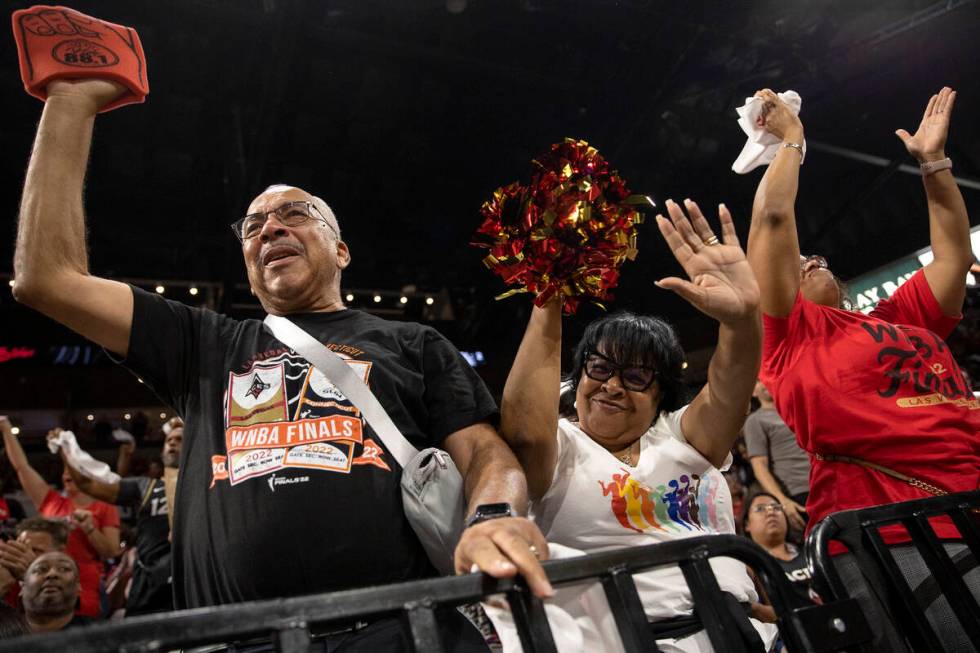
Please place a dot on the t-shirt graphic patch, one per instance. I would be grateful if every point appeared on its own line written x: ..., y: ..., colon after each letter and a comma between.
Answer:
x: 283, y: 414
x: 683, y: 504
x: 257, y: 396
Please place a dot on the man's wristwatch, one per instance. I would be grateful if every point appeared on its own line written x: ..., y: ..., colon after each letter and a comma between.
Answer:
x: 487, y: 511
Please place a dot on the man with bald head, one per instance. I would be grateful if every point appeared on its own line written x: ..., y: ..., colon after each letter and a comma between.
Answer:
x: 284, y: 489
x: 50, y: 592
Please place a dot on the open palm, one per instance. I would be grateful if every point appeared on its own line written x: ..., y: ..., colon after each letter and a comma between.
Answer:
x: 929, y: 140
x: 722, y: 285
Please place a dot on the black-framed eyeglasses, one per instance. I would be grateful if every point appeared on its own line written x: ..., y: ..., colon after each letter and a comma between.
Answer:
x: 290, y: 214
x: 766, y: 507
x: 635, y: 378
x: 814, y: 258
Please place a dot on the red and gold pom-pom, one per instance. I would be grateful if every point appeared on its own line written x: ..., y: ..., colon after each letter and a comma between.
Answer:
x: 567, y: 232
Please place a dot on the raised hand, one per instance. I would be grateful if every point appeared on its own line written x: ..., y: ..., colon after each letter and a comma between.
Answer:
x: 721, y: 284
x: 929, y: 141
x: 83, y: 519
x: 16, y: 557
x: 777, y: 118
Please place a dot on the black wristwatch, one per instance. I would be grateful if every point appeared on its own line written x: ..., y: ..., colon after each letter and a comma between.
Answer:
x: 488, y: 511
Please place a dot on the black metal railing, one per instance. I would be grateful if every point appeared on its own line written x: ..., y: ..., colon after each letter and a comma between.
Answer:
x: 804, y: 627
x: 858, y: 530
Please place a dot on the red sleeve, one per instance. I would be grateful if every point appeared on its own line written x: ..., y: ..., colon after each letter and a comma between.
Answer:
x: 777, y: 340
x: 105, y: 515
x: 53, y: 505
x: 914, y: 304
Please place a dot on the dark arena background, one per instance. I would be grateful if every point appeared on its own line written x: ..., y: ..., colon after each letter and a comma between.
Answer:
x: 405, y: 116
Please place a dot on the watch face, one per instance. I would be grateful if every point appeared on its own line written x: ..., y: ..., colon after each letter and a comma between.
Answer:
x: 493, y: 510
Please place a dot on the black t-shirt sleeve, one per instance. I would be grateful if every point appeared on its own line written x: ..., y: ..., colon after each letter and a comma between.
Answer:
x: 455, y: 395
x: 164, y: 346
x: 131, y: 490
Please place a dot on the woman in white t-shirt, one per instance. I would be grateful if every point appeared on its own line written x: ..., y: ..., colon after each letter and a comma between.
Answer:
x: 632, y: 464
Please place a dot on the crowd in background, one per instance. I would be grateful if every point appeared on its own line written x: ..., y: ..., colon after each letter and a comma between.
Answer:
x: 108, y: 539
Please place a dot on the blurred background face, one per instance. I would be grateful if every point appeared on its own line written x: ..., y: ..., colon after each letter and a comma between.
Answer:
x: 766, y: 522
x: 40, y: 542
x: 69, y: 484
x: 171, y: 447
x: 761, y: 392
x: 155, y: 470
x: 51, y: 585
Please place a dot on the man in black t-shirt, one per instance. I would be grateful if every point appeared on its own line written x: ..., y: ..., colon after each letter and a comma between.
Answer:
x: 284, y: 488
x: 151, y: 589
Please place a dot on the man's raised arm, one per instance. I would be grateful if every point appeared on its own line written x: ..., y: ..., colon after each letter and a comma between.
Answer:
x: 51, y: 259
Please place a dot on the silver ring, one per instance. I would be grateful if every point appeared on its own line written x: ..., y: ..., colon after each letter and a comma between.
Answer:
x: 712, y: 241
x: 534, y: 550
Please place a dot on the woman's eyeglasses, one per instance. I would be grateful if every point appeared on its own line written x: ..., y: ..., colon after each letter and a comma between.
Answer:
x: 635, y: 378
x: 766, y: 507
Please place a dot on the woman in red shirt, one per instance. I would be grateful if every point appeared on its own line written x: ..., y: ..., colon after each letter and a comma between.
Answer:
x: 94, y: 525
x: 880, y: 388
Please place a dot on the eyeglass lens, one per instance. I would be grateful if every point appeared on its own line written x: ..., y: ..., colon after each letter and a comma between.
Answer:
x: 635, y: 378
x: 290, y: 214
x: 816, y: 258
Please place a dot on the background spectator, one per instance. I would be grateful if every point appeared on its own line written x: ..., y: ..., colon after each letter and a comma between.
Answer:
x: 94, y: 524
x: 780, y: 466
x: 51, y: 589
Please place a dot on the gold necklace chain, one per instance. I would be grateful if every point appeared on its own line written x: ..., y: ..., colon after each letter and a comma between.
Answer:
x: 627, y: 457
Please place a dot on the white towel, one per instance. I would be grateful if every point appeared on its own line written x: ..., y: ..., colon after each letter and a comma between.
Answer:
x: 80, y: 460
x: 120, y: 435
x: 761, y: 147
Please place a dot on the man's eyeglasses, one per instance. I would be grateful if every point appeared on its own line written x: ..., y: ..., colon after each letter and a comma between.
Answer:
x: 815, y: 258
x: 290, y: 214
x: 636, y: 378
x: 766, y: 507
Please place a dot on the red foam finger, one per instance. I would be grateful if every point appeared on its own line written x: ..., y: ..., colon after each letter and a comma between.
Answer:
x: 61, y: 43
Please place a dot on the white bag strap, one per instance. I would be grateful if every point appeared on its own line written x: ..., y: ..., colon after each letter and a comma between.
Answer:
x: 341, y: 375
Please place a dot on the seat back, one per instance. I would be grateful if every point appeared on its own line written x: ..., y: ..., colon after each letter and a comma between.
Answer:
x: 905, y: 606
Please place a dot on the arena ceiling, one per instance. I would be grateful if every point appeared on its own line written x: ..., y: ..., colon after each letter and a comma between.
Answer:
x: 405, y: 115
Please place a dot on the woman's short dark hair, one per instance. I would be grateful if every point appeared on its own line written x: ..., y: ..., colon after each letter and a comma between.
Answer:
x: 747, y: 510
x: 631, y: 339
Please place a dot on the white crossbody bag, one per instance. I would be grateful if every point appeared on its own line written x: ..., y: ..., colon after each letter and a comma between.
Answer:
x: 432, y: 487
